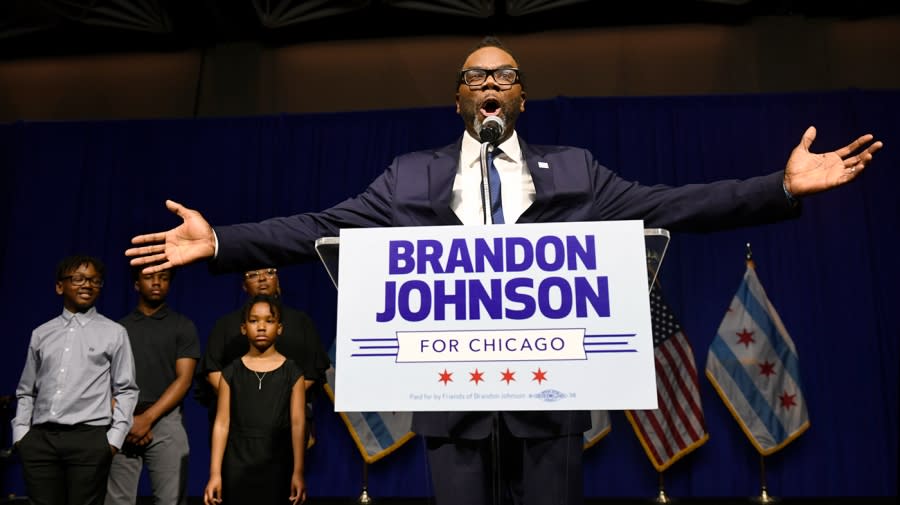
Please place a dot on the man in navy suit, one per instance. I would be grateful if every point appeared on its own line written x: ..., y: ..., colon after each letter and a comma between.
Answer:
x: 540, y: 452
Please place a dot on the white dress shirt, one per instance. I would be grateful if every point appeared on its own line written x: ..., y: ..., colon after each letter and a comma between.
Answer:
x: 516, y: 186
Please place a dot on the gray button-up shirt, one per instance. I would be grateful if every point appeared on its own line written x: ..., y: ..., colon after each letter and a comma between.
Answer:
x: 77, y: 364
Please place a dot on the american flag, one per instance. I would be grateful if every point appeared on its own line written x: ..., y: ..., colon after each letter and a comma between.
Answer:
x: 677, y: 427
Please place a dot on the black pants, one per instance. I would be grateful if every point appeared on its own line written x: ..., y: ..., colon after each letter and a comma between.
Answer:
x: 517, y: 471
x: 65, y: 465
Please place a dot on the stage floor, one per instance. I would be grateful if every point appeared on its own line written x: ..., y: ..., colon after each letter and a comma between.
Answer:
x: 863, y: 500
x: 850, y: 500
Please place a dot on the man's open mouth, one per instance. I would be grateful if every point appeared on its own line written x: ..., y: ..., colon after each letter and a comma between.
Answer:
x: 490, y: 107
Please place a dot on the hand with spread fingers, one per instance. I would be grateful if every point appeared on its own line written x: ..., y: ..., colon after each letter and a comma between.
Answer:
x: 807, y: 173
x: 191, y: 241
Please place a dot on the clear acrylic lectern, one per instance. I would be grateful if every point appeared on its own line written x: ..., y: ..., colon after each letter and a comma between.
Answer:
x: 656, y: 240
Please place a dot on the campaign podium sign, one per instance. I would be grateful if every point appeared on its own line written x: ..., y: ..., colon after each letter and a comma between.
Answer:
x: 544, y: 316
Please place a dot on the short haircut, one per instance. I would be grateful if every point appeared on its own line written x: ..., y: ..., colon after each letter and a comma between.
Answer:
x: 137, y: 269
x: 71, y: 263
x: 492, y: 41
x: 274, y: 306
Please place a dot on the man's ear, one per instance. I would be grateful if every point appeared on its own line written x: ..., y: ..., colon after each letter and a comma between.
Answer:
x: 59, y: 288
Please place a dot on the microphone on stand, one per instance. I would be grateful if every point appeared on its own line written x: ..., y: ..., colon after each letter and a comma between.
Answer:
x: 489, y: 133
x: 491, y: 129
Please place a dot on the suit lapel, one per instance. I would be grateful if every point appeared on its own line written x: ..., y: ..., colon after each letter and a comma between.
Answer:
x: 544, y: 185
x: 441, y: 174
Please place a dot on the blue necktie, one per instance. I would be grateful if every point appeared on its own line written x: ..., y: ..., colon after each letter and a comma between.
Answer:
x: 494, y: 177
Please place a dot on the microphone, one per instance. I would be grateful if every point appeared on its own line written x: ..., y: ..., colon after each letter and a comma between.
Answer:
x: 491, y: 129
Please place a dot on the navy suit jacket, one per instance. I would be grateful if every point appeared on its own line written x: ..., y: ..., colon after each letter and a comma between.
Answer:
x: 570, y: 185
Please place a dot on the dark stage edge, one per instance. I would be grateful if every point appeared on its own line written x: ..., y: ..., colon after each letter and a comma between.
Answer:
x: 776, y: 500
x: 858, y: 500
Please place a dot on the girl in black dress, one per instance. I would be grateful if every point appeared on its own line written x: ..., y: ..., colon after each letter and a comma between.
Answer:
x: 257, y: 440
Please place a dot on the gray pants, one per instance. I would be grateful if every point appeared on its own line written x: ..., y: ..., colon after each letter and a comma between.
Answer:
x: 166, y: 457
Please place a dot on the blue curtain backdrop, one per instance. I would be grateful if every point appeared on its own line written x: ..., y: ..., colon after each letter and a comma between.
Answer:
x: 832, y: 275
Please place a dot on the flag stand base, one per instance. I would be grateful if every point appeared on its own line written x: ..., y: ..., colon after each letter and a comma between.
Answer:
x: 364, y: 498
x: 662, y: 497
x: 764, y: 497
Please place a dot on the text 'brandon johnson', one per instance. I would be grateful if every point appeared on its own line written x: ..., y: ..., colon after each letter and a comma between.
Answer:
x: 554, y: 297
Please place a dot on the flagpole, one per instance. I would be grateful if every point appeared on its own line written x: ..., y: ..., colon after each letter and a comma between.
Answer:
x: 764, y: 493
x: 364, y: 498
x: 661, y: 496
x: 764, y: 496
x: 753, y: 338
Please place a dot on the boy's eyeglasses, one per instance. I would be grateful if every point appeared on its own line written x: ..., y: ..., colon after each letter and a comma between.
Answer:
x: 80, y: 280
x: 255, y: 274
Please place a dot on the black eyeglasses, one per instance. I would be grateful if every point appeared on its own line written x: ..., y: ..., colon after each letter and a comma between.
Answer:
x: 255, y: 274
x: 80, y: 280
x: 506, y: 76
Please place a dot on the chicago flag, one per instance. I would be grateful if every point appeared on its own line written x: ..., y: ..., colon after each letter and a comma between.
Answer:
x: 753, y: 366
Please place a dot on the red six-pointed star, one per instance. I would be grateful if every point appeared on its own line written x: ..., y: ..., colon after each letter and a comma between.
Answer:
x: 788, y: 401
x: 767, y: 368
x: 508, y: 376
x: 476, y: 376
x: 540, y: 375
x: 446, y: 377
x: 745, y: 337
